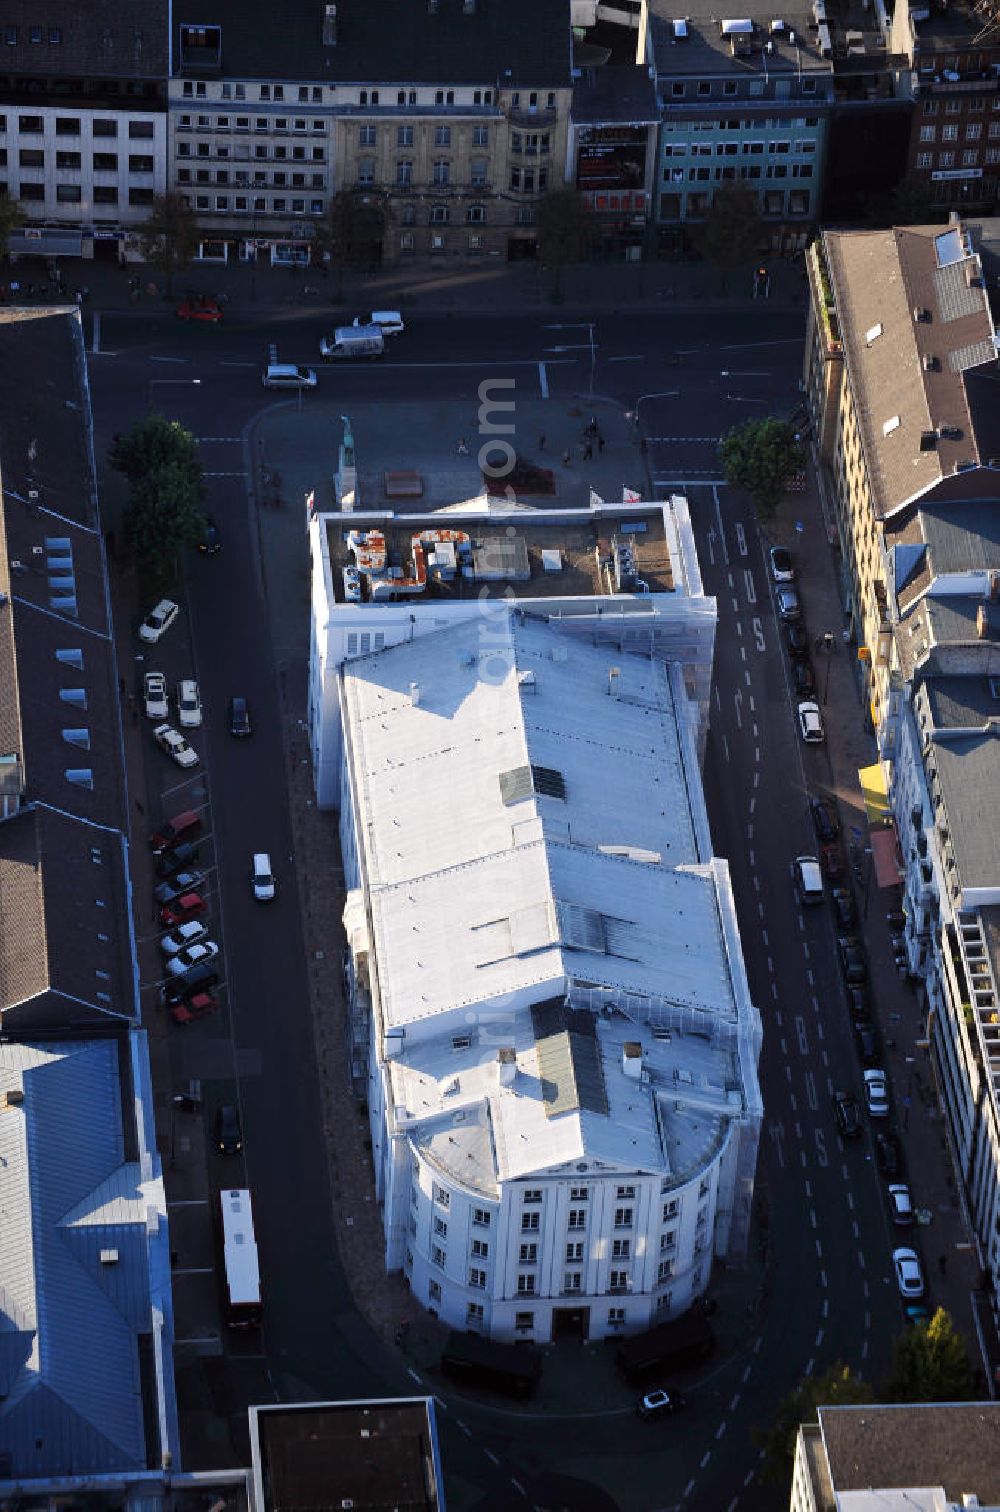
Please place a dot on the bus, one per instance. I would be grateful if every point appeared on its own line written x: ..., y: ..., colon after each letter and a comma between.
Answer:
x: 239, y: 1247
x: 511, y: 1368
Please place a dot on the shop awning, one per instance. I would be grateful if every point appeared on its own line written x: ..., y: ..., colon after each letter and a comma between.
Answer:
x: 874, y: 791
x: 45, y: 241
x: 885, y: 855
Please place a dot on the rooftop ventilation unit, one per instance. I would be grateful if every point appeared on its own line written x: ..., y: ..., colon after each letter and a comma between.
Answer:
x: 928, y: 440
x: 920, y: 315
x: 930, y: 363
x: 681, y: 29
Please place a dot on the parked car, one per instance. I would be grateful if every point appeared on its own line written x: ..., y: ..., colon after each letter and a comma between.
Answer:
x: 796, y: 639
x: 200, y: 307
x: 831, y: 858
x: 843, y: 907
x: 173, y: 743
x: 177, y: 860
x: 858, y: 999
x: 262, y: 877
x: 200, y: 978
x: 154, y: 695
x: 811, y: 723
x: 887, y: 1154
x: 390, y: 320
x: 825, y: 821
x: 787, y: 602
x: 184, y: 935
x: 189, y: 905
x: 663, y: 1402
x: 803, y: 679
x: 210, y: 541
x: 184, y: 882
x: 877, y: 1094
x: 853, y: 962
x: 239, y: 717
x: 285, y: 375
x: 228, y: 1133
x: 900, y: 1204
x: 183, y: 826
x: 782, y: 566
x: 188, y: 704
x: 845, y: 1110
x: 192, y: 955
x: 197, y: 1005
x: 867, y: 1043
x: 158, y: 620
x: 909, y: 1276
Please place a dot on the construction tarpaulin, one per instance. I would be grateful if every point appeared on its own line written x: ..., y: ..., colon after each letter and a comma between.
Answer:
x: 874, y: 791
x: 885, y: 855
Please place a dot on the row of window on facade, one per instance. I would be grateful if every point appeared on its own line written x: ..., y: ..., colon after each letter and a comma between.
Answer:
x: 973, y: 132
x: 72, y: 126
x: 971, y: 104
x: 72, y: 194
x: 262, y: 150
x: 780, y: 147
x: 694, y: 205
x: 34, y: 34
x: 705, y: 88
x: 746, y: 173
x: 101, y: 162
x: 312, y: 94
x: 524, y: 1322
x: 735, y: 123
x: 971, y: 157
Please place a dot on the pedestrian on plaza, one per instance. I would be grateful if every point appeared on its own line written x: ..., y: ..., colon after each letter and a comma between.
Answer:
x: 642, y: 445
x: 566, y: 457
x: 463, y: 447
x: 588, y: 451
x: 139, y: 807
x: 541, y: 442
x: 600, y: 443
x: 121, y: 687
x: 592, y: 426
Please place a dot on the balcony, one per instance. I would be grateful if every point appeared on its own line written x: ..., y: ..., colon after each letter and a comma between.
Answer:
x: 531, y: 116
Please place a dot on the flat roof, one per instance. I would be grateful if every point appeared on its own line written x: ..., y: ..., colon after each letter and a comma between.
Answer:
x: 707, y: 48
x: 346, y: 1454
x: 955, y: 1445
x: 532, y: 554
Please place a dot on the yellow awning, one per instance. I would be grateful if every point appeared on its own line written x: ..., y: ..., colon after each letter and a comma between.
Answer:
x: 874, y: 791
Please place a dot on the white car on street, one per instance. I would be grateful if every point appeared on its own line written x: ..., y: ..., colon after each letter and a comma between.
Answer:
x: 188, y: 704
x: 191, y: 955
x: 154, y: 695
x: 158, y: 620
x: 876, y: 1094
x: 901, y: 1203
x: 811, y: 723
x: 173, y: 742
x: 909, y: 1276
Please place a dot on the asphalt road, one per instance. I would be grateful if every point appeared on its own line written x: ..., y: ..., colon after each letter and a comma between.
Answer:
x: 690, y: 376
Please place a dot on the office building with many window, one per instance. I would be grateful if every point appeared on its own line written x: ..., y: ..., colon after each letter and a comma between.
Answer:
x: 83, y: 122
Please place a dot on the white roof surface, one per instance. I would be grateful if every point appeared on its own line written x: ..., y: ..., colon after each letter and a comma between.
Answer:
x: 530, y: 834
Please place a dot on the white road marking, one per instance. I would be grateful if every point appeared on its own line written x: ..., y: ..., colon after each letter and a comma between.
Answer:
x: 704, y: 1459
x: 812, y: 1097
x: 194, y: 1270
x: 543, y: 381
x: 822, y: 1281
x: 518, y: 1487
x: 819, y: 1338
x: 189, y: 1202
x: 748, y: 584
x: 720, y: 1430
x: 812, y: 1218
x: 491, y: 1456
x: 734, y: 1403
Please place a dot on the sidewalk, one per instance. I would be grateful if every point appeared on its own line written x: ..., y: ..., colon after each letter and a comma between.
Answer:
x: 428, y: 286
x: 949, y: 1256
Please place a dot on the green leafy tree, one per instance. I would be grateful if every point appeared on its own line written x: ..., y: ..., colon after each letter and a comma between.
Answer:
x: 169, y: 236
x: 166, y: 487
x: 839, y: 1387
x: 761, y: 456
x: 350, y: 234
x: 930, y: 1364
x: 731, y: 234
x: 908, y: 203
x: 11, y: 217
x: 565, y: 233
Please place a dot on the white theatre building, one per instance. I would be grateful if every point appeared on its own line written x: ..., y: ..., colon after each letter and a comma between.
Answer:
x: 545, y: 967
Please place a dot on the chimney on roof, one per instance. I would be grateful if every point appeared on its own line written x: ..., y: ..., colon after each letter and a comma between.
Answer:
x: 329, y: 25
x: 988, y: 620
x: 415, y: 694
x: 13, y: 1097
x: 632, y: 1060
x: 507, y: 1065
x: 615, y: 682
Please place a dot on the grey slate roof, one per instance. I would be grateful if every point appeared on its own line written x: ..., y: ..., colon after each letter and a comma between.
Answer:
x: 389, y: 41
x: 99, y: 39
x: 68, y: 1323
x: 616, y: 93
x: 954, y: 1445
x: 963, y: 536
x: 966, y: 755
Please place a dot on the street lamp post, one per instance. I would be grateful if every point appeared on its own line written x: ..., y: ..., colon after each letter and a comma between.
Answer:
x: 828, y: 642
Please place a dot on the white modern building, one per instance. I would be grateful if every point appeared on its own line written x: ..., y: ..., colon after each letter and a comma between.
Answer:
x: 544, y: 954
x: 623, y: 575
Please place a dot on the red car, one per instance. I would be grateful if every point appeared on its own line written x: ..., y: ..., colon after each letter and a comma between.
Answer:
x: 831, y: 858
x: 187, y: 906
x: 199, y: 1005
x: 200, y: 308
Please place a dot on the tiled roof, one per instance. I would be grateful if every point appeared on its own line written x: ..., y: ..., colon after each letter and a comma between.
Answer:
x: 102, y: 39
x: 913, y: 319
x: 505, y: 42
x: 74, y: 1401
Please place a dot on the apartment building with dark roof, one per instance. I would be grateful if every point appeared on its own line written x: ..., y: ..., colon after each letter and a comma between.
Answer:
x: 83, y: 140
x: 450, y: 116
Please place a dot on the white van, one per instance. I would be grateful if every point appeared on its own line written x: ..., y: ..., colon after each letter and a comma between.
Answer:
x: 262, y: 877
x: 353, y: 341
x: 285, y: 375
